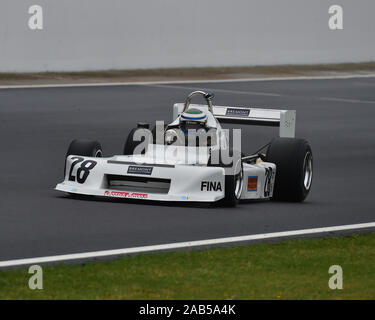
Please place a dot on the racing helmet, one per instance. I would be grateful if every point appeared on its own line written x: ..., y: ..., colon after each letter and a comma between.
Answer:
x: 193, y: 119
x: 192, y: 129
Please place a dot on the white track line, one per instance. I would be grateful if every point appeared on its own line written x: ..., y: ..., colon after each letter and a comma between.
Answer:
x: 251, y: 93
x: 254, y: 93
x: 106, y: 84
x: 346, y: 100
x: 179, y: 245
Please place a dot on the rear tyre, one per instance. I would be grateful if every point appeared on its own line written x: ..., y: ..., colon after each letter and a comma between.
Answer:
x: 131, y: 143
x: 153, y: 131
x: 294, y: 168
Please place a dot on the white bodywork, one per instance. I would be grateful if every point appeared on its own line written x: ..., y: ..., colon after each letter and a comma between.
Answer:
x: 185, y: 180
x: 180, y: 173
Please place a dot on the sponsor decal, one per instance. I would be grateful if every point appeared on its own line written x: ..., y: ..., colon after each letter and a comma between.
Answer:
x: 140, y: 170
x: 125, y: 194
x: 238, y: 112
x: 185, y: 198
x: 252, y: 184
x: 211, y: 186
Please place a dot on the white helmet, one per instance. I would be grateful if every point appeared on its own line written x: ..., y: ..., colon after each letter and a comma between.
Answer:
x: 194, y: 119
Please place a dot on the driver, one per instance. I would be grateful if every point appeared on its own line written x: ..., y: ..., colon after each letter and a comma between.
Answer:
x: 193, y: 119
x: 192, y: 128
x: 193, y: 125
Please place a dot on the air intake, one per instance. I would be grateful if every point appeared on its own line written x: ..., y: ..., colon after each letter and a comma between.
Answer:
x: 138, y: 184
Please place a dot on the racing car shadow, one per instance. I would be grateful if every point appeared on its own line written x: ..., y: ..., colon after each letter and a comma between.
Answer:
x: 192, y: 204
x: 189, y: 204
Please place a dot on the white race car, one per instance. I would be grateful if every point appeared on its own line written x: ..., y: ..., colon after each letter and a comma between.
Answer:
x: 193, y: 160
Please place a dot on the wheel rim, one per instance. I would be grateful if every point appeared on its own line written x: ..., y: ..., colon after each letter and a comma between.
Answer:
x: 307, y: 170
x: 238, y: 183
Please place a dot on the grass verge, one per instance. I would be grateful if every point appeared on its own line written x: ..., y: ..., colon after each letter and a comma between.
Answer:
x: 290, y: 269
x: 185, y: 73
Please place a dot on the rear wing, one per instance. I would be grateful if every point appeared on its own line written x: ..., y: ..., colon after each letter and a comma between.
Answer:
x: 284, y: 119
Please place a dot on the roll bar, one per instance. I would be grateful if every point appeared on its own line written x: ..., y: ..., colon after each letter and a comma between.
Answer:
x: 207, y: 95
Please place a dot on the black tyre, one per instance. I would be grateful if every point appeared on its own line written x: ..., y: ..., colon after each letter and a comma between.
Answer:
x: 233, y: 179
x: 153, y: 131
x: 294, y: 168
x: 131, y: 143
x: 86, y: 148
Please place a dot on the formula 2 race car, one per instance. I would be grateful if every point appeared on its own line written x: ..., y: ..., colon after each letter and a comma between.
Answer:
x: 193, y: 160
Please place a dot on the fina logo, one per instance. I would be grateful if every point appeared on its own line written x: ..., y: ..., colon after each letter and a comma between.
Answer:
x: 211, y: 186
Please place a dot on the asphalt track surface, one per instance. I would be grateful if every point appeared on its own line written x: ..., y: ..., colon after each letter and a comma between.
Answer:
x: 37, y: 125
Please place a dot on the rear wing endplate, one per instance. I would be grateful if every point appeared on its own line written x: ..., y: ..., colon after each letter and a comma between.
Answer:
x: 284, y: 119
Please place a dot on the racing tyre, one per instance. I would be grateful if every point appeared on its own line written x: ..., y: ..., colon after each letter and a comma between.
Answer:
x: 294, y: 168
x: 233, y: 180
x: 153, y: 131
x: 131, y: 144
x: 86, y: 148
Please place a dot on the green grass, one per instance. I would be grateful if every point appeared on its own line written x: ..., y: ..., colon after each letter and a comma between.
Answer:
x: 291, y: 269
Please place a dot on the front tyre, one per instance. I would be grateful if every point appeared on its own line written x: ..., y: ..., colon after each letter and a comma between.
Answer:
x: 86, y: 148
x: 233, y: 177
x: 233, y: 187
x: 294, y: 168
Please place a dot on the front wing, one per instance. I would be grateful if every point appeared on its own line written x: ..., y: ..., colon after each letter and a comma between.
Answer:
x: 111, y: 177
